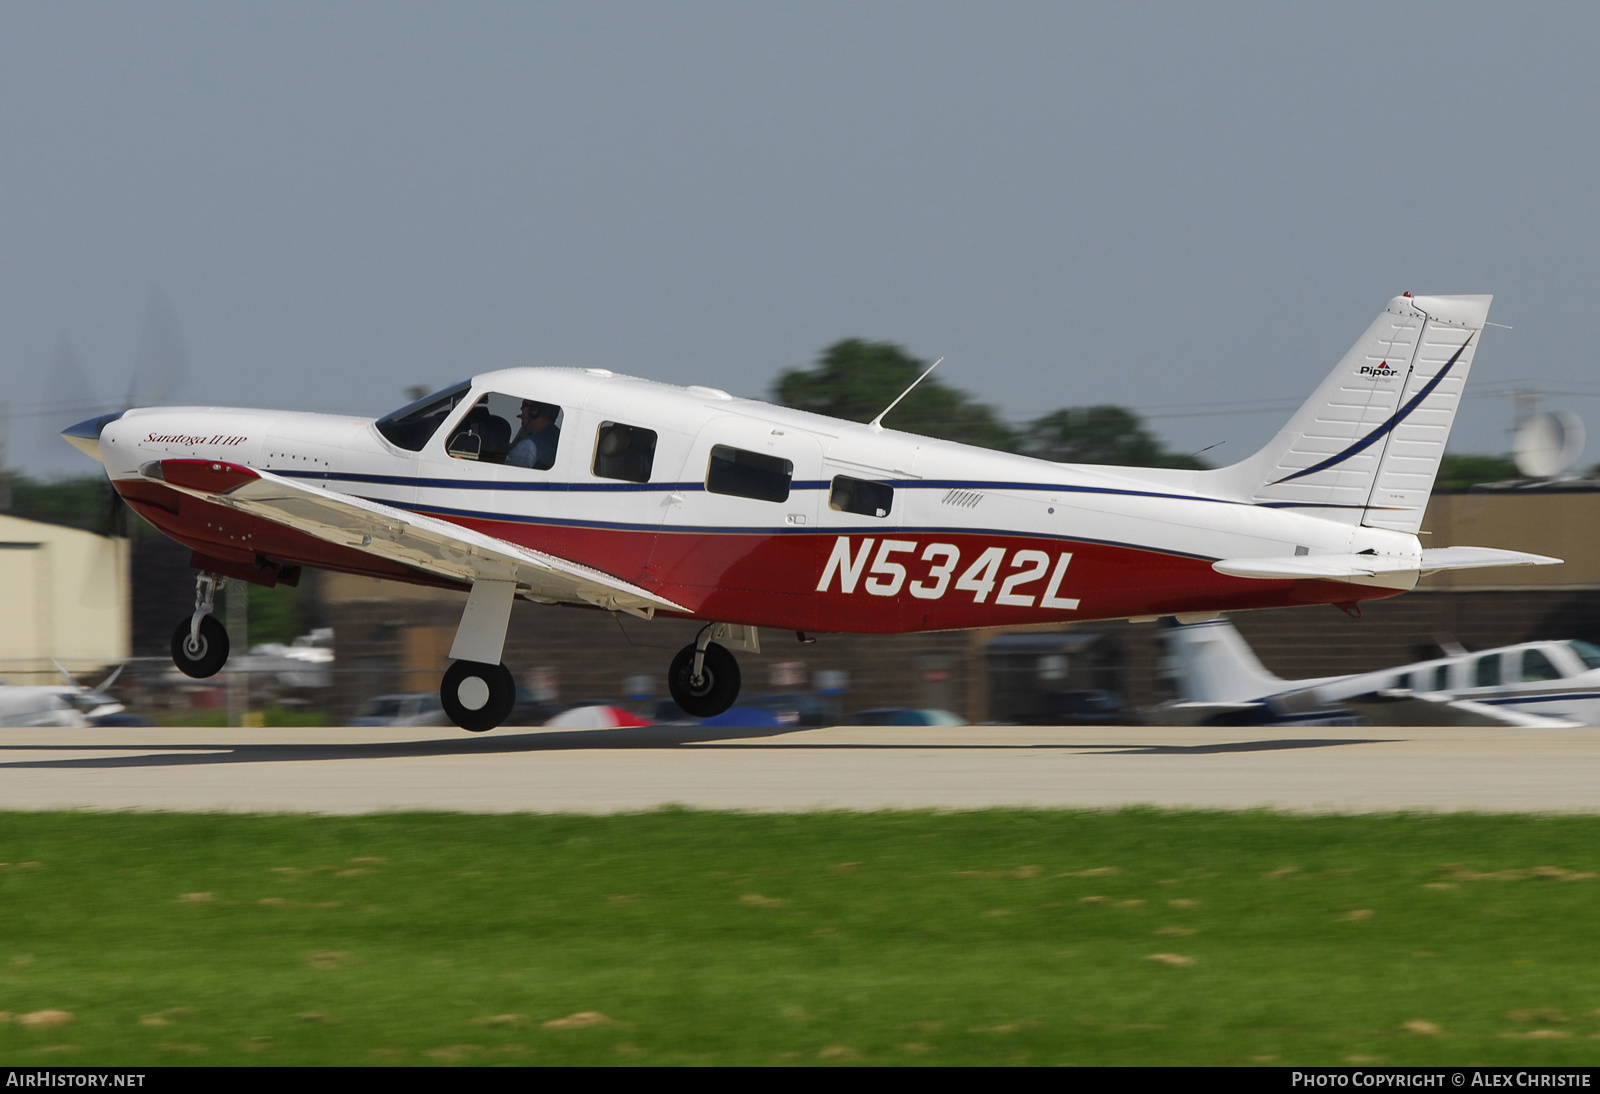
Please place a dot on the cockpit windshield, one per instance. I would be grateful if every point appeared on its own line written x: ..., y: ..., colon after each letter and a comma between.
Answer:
x: 412, y: 425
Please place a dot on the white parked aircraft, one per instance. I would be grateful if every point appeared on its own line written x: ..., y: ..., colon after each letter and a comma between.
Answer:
x: 69, y: 704
x: 1533, y: 684
x: 578, y: 486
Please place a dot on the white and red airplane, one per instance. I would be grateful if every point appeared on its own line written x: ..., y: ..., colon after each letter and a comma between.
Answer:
x: 579, y: 486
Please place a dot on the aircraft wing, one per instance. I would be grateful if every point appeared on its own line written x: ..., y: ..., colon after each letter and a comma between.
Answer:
x: 1300, y: 567
x: 424, y: 543
x: 1398, y: 707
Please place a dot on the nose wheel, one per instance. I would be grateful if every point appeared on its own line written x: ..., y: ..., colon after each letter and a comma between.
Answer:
x: 476, y: 696
x: 200, y: 654
x: 711, y: 690
x: 200, y: 644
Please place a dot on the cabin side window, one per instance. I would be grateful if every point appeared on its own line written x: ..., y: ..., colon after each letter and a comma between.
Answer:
x: 872, y: 499
x: 510, y: 430
x: 624, y: 452
x: 1441, y: 678
x: 413, y: 425
x: 1536, y: 666
x: 746, y: 474
x: 1486, y: 672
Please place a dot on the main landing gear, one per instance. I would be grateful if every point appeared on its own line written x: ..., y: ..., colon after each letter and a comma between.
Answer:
x: 477, y: 697
x: 704, y: 677
x: 200, y: 643
x: 478, y: 692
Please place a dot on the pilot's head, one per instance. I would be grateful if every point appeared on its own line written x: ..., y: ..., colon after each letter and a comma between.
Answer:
x: 536, y: 415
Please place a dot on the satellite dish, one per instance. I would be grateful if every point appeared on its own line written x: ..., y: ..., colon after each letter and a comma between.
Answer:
x: 1548, y: 444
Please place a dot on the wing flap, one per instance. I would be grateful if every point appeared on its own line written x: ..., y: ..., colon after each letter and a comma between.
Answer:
x: 424, y: 543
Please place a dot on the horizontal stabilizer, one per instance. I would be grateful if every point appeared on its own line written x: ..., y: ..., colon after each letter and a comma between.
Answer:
x: 1474, y: 558
x: 1344, y: 567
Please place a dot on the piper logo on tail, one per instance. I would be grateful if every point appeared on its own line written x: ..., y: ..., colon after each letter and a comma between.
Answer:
x: 1380, y: 371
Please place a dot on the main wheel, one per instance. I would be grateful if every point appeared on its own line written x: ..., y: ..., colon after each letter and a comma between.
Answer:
x: 477, y: 697
x: 205, y: 657
x: 717, y: 687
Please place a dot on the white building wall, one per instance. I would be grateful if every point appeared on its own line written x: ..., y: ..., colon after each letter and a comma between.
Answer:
x: 64, y: 594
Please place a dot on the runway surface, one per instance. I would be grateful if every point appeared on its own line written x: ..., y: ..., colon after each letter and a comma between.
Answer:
x: 545, y: 770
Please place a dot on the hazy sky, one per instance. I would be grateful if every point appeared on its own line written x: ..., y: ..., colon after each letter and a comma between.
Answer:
x: 1161, y: 206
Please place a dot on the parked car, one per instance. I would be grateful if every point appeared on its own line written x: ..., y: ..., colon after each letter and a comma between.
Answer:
x: 787, y: 709
x: 745, y: 718
x: 596, y: 716
x: 903, y: 716
x: 1081, y: 708
x: 417, y: 708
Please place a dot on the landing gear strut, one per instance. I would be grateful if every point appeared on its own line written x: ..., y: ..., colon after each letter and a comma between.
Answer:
x: 704, y: 677
x: 477, y: 697
x: 478, y: 692
x: 200, y: 643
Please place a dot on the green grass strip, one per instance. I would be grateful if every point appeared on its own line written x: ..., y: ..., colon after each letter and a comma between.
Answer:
x: 689, y: 937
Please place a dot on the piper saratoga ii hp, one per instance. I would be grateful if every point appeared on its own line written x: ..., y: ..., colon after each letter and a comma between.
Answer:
x: 583, y: 487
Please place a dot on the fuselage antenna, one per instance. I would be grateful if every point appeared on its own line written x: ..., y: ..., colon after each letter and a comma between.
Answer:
x: 876, y: 425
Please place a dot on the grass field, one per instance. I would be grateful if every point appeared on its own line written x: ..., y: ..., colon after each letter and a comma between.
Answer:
x: 988, y: 937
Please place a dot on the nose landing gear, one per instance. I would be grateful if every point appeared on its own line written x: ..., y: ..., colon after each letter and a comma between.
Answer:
x: 200, y: 643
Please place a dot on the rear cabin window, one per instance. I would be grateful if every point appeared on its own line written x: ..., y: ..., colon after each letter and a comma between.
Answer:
x: 872, y: 499
x: 1441, y: 678
x: 748, y: 474
x: 508, y: 429
x: 1487, y: 674
x: 414, y: 424
x: 1536, y: 666
x: 624, y: 452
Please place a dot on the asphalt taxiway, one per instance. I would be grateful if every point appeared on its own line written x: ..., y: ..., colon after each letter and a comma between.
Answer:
x: 841, y: 767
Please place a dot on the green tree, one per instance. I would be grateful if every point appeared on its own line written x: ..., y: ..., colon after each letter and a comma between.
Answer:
x: 856, y: 379
x: 276, y: 614
x: 1462, y: 472
x: 1099, y: 434
x: 86, y: 502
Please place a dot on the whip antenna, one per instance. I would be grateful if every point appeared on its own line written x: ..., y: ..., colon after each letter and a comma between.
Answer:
x: 877, y: 423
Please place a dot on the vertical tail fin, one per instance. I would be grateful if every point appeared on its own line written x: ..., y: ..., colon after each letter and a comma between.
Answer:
x: 1211, y: 663
x: 1365, y: 448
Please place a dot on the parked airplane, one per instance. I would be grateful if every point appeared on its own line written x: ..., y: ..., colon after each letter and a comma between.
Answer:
x: 579, y: 486
x: 70, y: 704
x: 1533, y: 684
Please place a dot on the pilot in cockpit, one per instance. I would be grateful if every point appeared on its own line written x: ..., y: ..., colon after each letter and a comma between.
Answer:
x: 535, y: 443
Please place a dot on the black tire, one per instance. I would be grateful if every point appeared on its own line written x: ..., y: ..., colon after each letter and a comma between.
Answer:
x: 477, y: 697
x: 717, y: 687
x: 205, y: 658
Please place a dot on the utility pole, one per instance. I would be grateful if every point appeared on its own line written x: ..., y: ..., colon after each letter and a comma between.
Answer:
x: 236, y: 600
